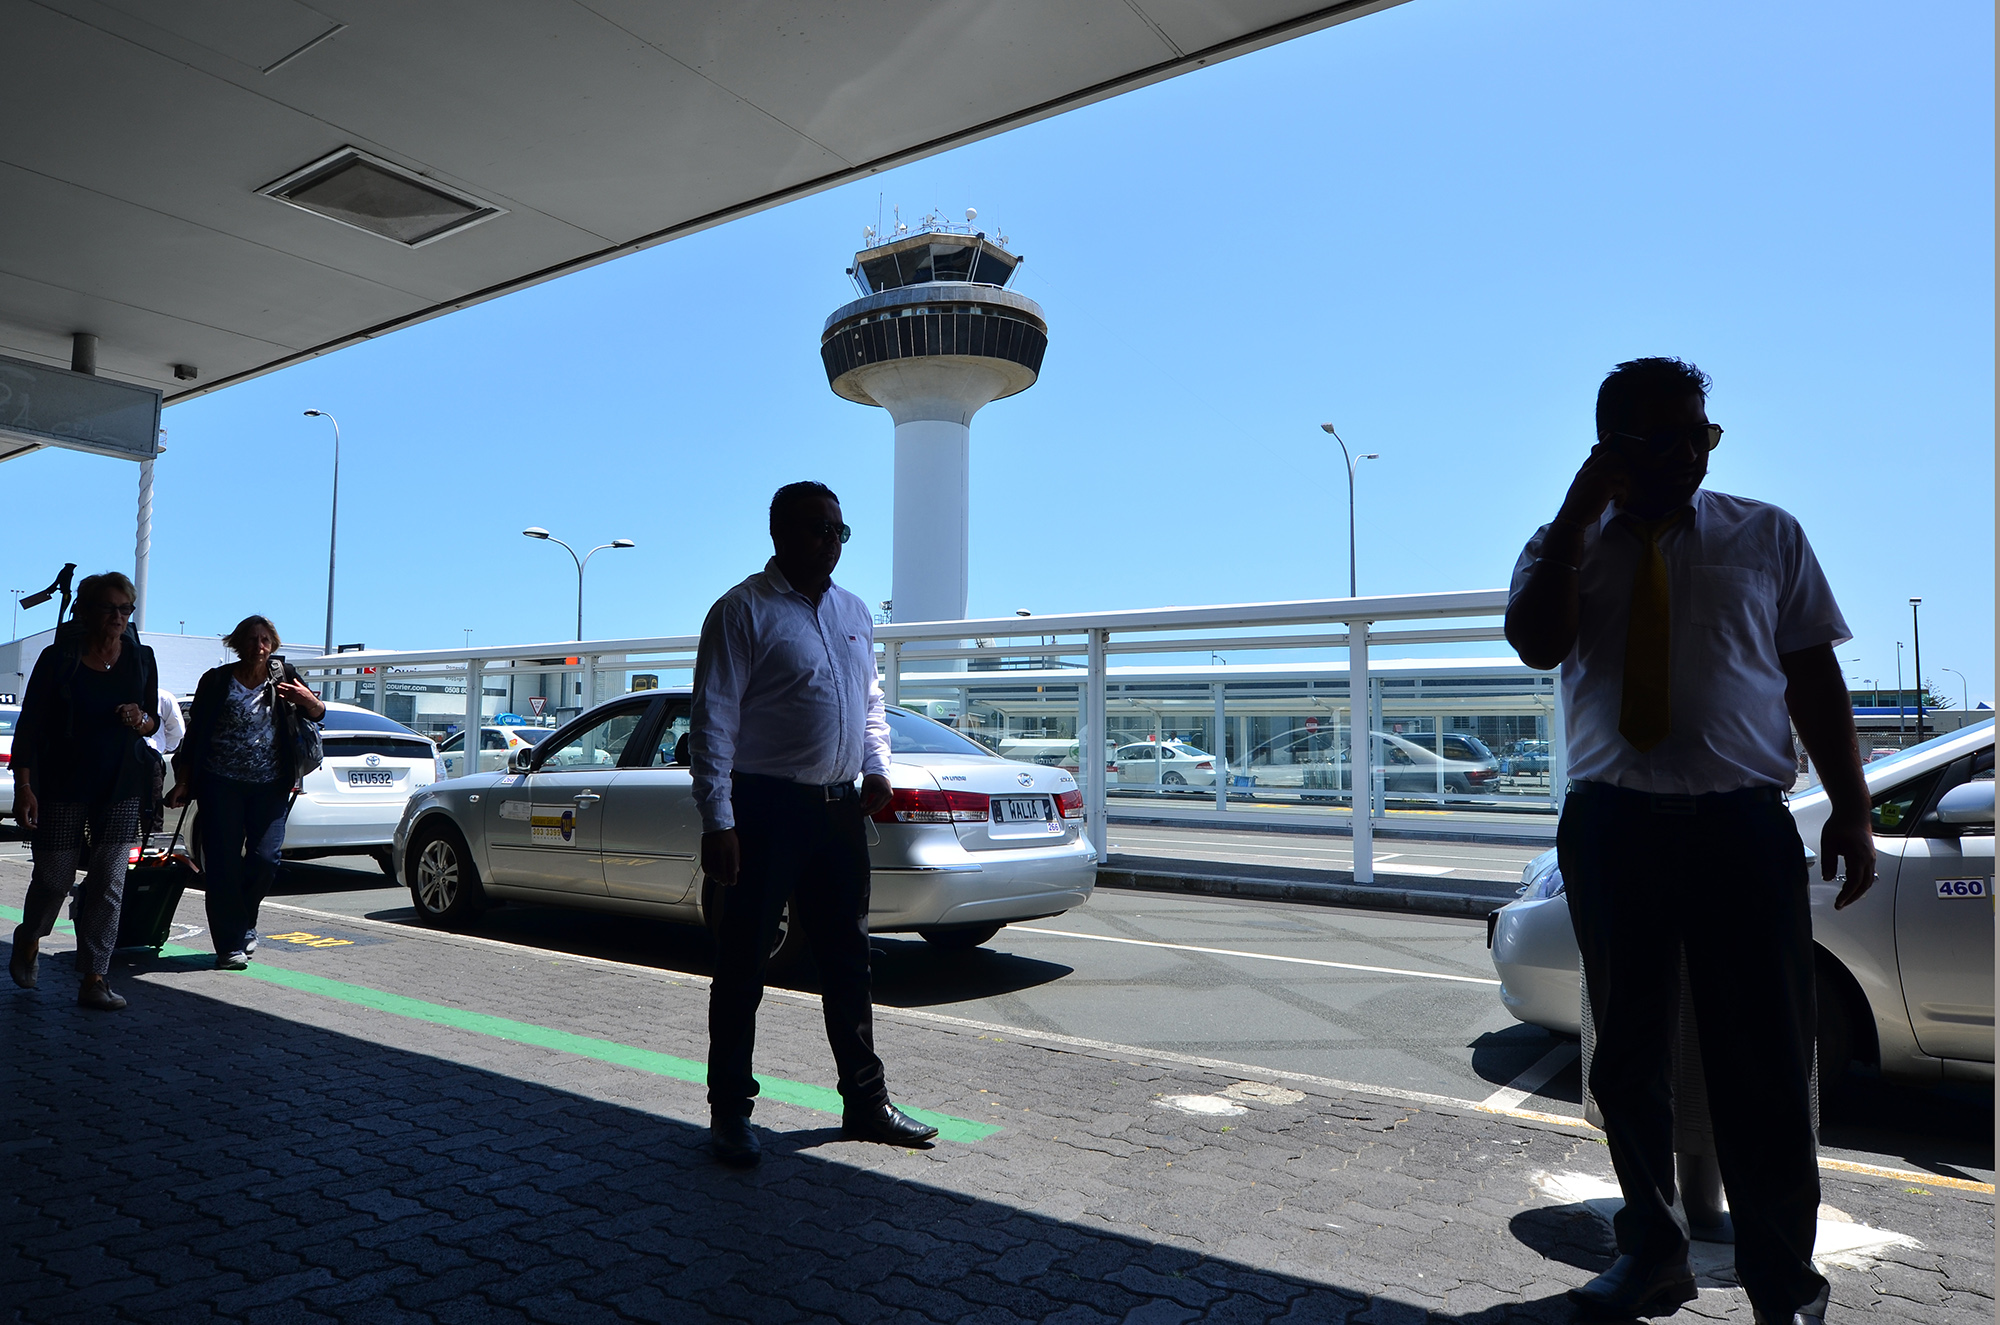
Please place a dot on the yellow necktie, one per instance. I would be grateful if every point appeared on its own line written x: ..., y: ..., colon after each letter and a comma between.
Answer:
x: 1645, y: 712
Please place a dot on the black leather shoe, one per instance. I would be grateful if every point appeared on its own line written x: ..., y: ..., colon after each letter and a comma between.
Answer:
x: 1799, y: 1317
x: 885, y: 1123
x: 1631, y: 1288
x: 732, y: 1141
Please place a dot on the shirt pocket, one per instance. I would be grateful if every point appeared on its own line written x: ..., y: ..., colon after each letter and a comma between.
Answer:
x: 1732, y: 600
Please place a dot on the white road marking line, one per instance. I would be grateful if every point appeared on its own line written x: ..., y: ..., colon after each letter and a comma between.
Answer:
x: 1538, y: 1074
x: 1256, y: 956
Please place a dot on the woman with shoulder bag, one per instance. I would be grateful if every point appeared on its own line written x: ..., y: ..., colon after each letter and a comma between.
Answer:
x: 82, y: 772
x: 240, y: 759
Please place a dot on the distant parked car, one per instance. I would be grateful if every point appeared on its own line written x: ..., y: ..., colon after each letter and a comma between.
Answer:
x: 1316, y: 760
x: 496, y: 746
x: 9, y: 715
x: 1905, y: 974
x: 1525, y: 757
x: 1167, y: 763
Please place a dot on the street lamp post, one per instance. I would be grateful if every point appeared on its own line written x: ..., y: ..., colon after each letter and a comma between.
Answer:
x: 1902, y: 728
x: 1917, y: 660
x: 1964, y: 690
x: 333, y: 524
x: 536, y: 531
x: 1352, y: 461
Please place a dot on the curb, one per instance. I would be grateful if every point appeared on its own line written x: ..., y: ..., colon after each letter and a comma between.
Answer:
x: 1334, y: 892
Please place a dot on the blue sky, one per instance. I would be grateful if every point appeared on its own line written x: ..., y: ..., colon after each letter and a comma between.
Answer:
x: 1437, y: 226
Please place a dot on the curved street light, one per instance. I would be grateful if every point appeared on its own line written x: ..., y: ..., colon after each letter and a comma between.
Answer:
x: 1964, y: 691
x: 333, y: 523
x: 1352, y: 461
x: 536, y: 531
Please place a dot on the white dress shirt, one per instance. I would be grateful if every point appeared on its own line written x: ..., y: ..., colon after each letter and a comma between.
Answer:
x: 168, y: 738
x: 1743, y: 589
x: 784, y: 689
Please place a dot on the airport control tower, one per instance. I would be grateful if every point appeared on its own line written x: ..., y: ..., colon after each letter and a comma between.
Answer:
x: 935, y: 335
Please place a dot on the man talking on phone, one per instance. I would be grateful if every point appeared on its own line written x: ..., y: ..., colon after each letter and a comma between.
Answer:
x: 1694, y: 630
x: 787, y: 715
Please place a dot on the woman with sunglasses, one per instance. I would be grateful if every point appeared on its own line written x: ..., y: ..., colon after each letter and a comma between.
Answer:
x: 79, y: 778
x: 240, y: 761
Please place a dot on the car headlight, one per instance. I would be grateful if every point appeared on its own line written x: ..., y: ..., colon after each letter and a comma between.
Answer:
x: 1542, y: 879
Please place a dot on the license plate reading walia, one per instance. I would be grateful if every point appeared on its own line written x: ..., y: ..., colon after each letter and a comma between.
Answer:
x: 1023, y: 810
x: 1964, y: 887
x: 370, y: 777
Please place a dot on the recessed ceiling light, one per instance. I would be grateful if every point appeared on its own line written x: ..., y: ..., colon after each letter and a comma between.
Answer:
x: 368, y: 193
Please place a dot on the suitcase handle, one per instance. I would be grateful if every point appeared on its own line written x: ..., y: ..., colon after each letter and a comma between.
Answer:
x: 146, y: 843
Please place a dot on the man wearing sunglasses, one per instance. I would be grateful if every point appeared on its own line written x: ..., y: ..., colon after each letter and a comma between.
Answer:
x: 787, y: 716
x: 1694, y: 630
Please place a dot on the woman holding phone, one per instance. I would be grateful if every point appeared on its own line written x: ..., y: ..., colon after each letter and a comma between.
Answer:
x: 240, y: 760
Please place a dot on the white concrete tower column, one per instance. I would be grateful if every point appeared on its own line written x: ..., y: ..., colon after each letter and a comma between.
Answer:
x: 936, y: 340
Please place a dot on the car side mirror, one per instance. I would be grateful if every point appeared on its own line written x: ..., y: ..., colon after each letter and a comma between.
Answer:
x: 1966, y: 805
x: 522, y: 760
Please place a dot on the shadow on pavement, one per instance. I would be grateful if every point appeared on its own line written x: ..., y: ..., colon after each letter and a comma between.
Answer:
x: 1501, y: 1056
x: 193, y: 1159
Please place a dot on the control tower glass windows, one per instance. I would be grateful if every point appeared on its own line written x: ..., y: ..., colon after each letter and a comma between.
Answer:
x: 976, y: 262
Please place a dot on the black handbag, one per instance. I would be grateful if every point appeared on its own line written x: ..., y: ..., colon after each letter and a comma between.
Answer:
x: 307, y: 751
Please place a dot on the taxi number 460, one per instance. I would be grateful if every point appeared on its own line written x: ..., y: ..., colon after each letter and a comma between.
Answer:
x: 1963, y: 887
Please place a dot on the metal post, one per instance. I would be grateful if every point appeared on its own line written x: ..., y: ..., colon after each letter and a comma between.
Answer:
x: 1361, y: 753
x: 142, y: 555
x: 1221, y: 743
x: 1558, y: 750
x: 892, y: 671
x: 590, y: 661
x: 381, y: 691
x: 1096, y: 800
x: 475, y: 717
x: 1917, y: 658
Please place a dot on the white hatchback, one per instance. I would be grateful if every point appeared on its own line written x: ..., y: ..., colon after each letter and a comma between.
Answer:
x: 351, y: 804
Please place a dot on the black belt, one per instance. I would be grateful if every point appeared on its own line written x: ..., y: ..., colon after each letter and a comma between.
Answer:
x: 828, y: 792
x: 1708, y: 802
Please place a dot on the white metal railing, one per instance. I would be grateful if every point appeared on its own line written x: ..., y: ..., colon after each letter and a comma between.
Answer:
x: 915, y: 653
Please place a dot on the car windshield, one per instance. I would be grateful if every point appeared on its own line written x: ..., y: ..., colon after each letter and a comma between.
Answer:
x: 912, y: 735
x: 1903, y: 756
x: 360, y: 720
x: 532, y: 735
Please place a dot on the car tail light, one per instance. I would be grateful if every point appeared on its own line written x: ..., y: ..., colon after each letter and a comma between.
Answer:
x: 1070, y: 804
x: 922, y: 805
x: 1480, y: 775
x: 132, y: 856
x: 1206, y: 763
x: 5, y: 758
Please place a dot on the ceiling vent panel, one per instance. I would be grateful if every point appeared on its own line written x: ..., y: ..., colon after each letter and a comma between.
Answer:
x: 368, y: 193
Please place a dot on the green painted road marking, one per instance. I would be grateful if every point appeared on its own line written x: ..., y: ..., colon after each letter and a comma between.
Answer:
x: 800, y: 1093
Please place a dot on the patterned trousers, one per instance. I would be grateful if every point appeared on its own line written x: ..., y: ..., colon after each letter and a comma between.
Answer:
x: 99, y: 839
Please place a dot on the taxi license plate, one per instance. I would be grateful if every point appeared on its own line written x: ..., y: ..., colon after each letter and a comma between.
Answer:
x: 370, y: 777
x: 1023, y: 810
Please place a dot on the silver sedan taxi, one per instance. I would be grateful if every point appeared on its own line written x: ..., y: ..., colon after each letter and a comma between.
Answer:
x: 601, y: 815
x: 1905, y: 974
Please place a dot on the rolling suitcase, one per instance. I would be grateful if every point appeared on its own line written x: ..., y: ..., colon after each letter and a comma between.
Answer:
x: 154, y: 881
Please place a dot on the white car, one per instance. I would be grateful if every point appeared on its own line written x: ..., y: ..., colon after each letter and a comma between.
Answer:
x: 602, y: 816
x: 1905, y: 974
x: 1168, y: 763
x: 351, y: 804
x: 496, y: 746
x: 9, y: 715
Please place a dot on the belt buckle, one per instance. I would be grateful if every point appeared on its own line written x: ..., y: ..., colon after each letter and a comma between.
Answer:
x: 1672, y: 804
x: 833, y: 791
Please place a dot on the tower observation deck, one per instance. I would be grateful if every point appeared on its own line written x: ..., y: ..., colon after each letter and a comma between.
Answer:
x: 935, y: 336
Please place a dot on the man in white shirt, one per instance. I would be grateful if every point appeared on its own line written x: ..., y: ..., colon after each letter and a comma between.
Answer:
x: 1694, y: 630
x: 787, y: 714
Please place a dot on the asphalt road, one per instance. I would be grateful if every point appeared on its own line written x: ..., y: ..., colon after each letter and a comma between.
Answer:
x: 1378, y: 999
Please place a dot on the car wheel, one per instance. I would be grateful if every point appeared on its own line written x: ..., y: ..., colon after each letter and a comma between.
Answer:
x: 1172, y: 778
x: 786, y: 944
x: 385, y: 860
x: 959, y: 938
x: 443, y: 883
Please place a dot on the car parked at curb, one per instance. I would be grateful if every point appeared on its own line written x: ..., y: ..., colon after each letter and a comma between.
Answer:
x: 1905, y: 973
x: 9, y: 715
x: 601, y: 816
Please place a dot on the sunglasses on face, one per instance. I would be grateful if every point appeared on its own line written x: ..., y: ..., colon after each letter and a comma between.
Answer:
x: 122, y: 609
x: 1706, y: 436
x: 825, y: 529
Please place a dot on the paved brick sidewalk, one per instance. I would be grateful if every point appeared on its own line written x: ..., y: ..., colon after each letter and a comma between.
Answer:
x: 249, y: 1149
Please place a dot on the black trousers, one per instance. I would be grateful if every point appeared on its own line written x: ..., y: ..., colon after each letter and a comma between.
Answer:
x: 1723, y: 877
x: 795, y: 844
